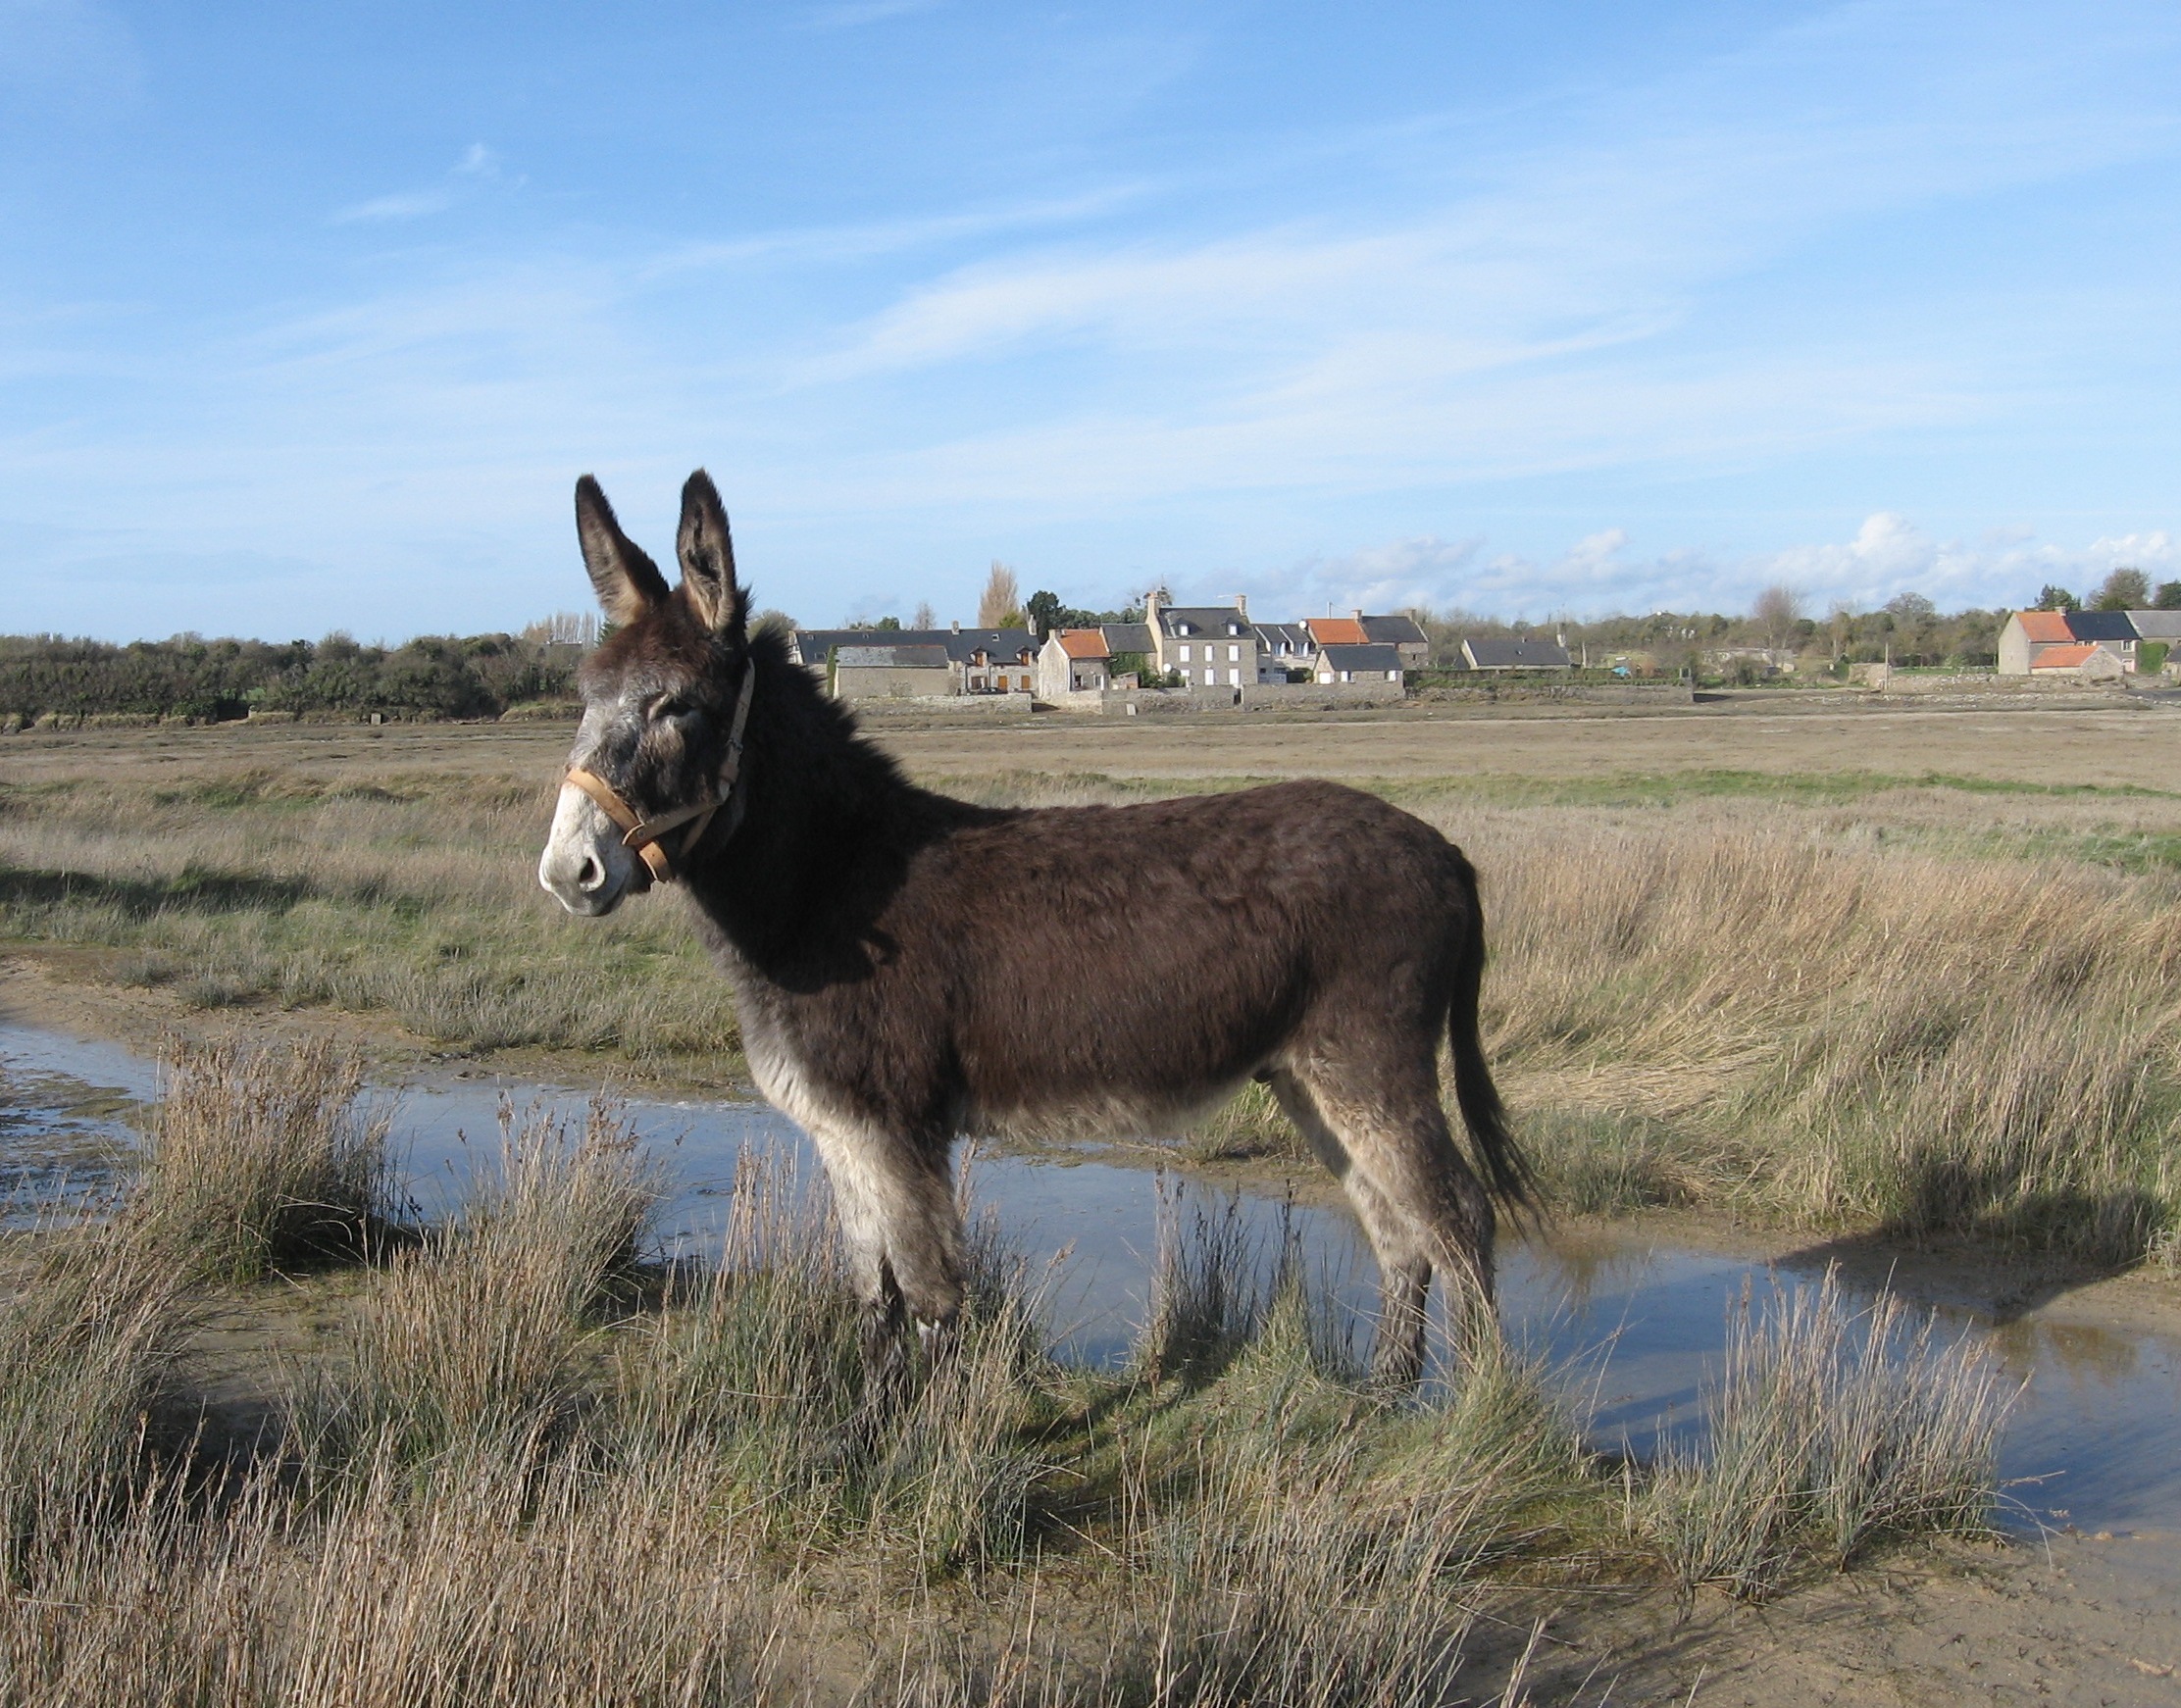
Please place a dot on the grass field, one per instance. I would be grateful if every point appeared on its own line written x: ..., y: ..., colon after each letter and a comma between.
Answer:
x: 1905, y: 973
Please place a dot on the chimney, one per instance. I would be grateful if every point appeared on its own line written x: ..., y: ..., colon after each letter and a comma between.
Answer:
x: 957, y: 626
x: 1357, y: 614
x: 1242, y: 606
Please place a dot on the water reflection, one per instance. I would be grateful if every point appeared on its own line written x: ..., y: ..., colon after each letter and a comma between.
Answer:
x: 1634, y: 1324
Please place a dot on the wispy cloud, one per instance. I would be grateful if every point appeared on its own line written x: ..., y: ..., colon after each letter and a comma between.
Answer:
x: 853, y: 14
x: 479, y: 165
x: 1608, y: 572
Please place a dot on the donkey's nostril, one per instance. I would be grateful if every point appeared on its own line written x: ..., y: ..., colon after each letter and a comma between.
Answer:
x: 592, y: 875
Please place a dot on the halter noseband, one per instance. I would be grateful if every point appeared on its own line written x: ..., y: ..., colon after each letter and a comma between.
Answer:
x: 644, y: 834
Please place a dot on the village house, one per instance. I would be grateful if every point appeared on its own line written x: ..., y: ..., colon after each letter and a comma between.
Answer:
x: 2033, y: 643
x: 1283, y: 647
x: 1403, y: 634
x: 1073, y: 661
x: 1209, y: 646
x: 1516, y: 655
x: 893, y: 672
x: 981, y: 661
x: 1358, y: 663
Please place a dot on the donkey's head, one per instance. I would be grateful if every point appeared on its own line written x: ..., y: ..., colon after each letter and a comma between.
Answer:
x: 657, y: 757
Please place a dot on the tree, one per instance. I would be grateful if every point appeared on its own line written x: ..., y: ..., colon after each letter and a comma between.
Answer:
x: 1777, y: 613
x: 2052, y: 598
x: 925, y: 616
x: 2168, y: 597
x: 999, y: 606
x: 2125, y: 589
x: 1045, y: 612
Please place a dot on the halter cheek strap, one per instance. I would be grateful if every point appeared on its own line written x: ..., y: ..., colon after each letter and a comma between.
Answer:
x: 646, y: 835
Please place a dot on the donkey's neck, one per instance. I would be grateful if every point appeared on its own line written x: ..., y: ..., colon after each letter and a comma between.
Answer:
x: 829, y: 832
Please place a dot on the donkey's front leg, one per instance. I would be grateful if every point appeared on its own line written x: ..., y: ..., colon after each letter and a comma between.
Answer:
x: 903, y: 1232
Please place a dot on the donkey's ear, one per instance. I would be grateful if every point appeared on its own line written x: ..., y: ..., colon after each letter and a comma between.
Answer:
x: 627, y: 582
x: 707, y: 554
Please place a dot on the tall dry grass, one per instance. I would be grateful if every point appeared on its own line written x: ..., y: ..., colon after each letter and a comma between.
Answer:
x: 1839, y: 1034
x: 259, y: 1158
x: 524, y: 1480
x: 1829, y: 1429
x: 479, y: 1344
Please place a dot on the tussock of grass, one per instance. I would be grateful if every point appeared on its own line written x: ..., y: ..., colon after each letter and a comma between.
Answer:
x: 259, y: 1159
x: 480, y: 1341
x: 1828, y: 1429
x: 89, y: 1336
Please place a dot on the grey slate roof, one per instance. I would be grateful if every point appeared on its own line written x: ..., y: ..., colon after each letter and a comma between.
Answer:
x: 2101, y: 626
x: 1517, y: 655
x: 1379, y: 658
x: 1394, y: 631
x: 1273, y: 636
x: 1126, y: 636
x: 1004, y: 645
x: 2157, y: 624
x: 910, y: 657
x: 1222, y: 621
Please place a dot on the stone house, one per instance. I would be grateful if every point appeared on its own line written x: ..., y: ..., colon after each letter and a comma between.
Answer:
x: 1358, y: 663
x: 1516, y: 655
x: 984, y: 661
x: 1073, y: 661
x: 2028, y: 638
x: 1283, y: 647
x: 893, y: 672
x: 1212, y: 647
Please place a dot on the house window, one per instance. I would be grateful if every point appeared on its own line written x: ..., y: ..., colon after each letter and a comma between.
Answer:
x: 1212, y: 678
x: 1185, y: 655
x: 1232, y: 653
x: 1233, y: 678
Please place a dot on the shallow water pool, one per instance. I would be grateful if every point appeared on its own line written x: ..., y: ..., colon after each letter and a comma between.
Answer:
x: 1632, y: 1319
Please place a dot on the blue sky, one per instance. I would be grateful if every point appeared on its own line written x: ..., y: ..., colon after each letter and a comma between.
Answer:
x: 310, y: 316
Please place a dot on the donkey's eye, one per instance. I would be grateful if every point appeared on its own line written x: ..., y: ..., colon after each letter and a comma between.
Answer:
x: 667, y: 706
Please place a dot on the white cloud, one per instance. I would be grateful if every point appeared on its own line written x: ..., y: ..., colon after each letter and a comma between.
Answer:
x: 853, y: 14
x: 479, y: 165
x: 1601, y: 574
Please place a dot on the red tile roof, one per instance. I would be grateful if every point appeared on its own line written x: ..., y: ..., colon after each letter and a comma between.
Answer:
x: 1082, y: 643
x: 2062, y: 657
x: 1337, y: 631
x: 2045, y: 628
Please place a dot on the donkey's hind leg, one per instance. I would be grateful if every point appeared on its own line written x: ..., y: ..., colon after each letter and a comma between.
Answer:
x: 904, y: 1233
x: 1424, y: 1210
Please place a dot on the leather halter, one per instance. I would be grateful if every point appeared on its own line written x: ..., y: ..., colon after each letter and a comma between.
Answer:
x: 646, y: 835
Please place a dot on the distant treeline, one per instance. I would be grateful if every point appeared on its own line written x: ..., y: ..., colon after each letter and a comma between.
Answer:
x: 189, y: 678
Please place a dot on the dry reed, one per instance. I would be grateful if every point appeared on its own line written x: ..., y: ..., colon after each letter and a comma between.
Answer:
x: 258, y: 1159
x: 1827, y: 1429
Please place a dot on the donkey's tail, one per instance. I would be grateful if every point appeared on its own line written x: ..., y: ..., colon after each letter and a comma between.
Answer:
x: 1506, y: 1170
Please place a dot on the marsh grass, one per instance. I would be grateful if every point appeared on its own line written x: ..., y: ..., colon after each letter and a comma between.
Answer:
x: 538, y: 1471
x: 1827, y: 1429
x: 259, y: 1159
x: 1925, y: 1004
x: 91, y: 1332
x: 480, y: 1342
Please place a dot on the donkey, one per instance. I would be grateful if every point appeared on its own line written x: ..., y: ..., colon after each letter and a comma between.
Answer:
x: 909, y: 967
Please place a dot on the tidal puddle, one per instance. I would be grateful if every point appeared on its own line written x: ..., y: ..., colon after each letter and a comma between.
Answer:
x: 2094, y: 1439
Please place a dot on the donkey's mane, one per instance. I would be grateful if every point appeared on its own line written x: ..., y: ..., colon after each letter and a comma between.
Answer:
x: 832, y: 826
